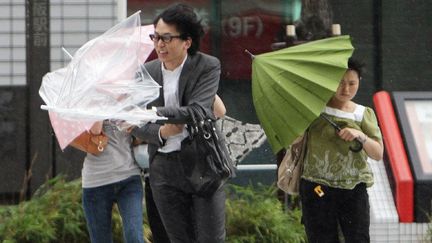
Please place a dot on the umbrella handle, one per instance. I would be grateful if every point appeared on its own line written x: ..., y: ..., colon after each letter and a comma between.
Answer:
x: 355, y: 148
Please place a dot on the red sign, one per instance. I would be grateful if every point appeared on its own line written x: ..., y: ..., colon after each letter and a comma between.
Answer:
x: 254, y: 29
x: 245, y: 24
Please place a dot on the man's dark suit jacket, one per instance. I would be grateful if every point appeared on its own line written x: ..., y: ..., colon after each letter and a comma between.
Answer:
x: 198, y: 84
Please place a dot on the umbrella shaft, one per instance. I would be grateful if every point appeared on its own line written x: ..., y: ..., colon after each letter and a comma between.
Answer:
x: 358, y: 144
x: 336, y: 126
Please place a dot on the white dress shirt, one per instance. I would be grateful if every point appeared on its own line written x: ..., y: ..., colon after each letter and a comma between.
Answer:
x: 170, y: 90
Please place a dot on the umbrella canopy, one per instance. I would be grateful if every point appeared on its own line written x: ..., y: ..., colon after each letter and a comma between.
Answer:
x: 104, y: 80
x: 290, y: 87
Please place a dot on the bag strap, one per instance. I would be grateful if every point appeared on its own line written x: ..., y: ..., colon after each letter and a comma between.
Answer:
x: 198, y: 118
x: 193, y: 127
x: 303, y: 148
x: 205, y: 124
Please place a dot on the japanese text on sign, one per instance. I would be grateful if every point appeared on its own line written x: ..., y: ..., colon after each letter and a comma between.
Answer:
x: 40, y: 23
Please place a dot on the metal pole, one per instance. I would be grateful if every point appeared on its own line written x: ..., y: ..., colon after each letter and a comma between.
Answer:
x: 248, y: 167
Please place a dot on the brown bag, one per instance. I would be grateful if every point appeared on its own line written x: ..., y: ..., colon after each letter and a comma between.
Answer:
x: 90, y: 143
x: 291, y: 167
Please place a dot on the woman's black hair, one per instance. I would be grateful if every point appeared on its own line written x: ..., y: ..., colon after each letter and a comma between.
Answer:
x: 185, y: 20
x: 356, y: 66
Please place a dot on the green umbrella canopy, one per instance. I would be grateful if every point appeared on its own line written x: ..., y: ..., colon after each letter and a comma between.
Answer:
x: 290, y: 87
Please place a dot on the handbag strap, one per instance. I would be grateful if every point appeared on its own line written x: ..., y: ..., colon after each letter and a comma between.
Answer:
x: 193, y: 127
x: 304, y: 144
x: 198, y: 121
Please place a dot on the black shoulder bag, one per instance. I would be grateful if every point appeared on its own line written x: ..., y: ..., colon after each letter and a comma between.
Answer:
x: 204, y: 155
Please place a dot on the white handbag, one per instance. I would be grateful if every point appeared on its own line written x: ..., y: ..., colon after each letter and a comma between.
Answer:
x: 141, y: 155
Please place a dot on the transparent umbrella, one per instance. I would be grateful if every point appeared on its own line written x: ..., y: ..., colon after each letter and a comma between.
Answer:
x: 105, y: 79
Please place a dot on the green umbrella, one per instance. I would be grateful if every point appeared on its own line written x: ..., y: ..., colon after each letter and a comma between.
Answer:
x: 290, y: 87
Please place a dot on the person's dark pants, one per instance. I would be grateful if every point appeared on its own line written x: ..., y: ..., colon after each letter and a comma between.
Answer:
x: 159, y: 234
x: 187, y: 217
x: 322, y: 215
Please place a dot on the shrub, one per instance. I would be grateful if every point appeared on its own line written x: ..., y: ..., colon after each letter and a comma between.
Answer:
x: 55, y: 215
x: 256, y: 215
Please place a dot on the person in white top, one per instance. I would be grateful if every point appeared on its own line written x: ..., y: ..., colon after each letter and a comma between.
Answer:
x: 109, y: 178
x: 336, y: 174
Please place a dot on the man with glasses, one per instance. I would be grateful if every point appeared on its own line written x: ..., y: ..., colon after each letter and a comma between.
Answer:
x: 188, y: 77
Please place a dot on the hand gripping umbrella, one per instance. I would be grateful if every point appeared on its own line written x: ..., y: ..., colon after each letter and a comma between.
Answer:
x: 104, y: 80
x: 290, y: 87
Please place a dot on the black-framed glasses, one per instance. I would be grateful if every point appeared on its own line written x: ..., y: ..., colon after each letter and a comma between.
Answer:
x: 166, y: 38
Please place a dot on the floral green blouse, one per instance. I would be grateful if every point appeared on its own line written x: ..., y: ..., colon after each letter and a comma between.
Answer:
x: 328, y: 160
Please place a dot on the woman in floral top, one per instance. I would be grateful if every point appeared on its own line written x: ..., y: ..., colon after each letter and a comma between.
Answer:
x: 333, y: 186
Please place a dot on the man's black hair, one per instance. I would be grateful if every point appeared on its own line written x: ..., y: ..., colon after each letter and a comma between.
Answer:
x: 185, y: 20
x: 356, y: 66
